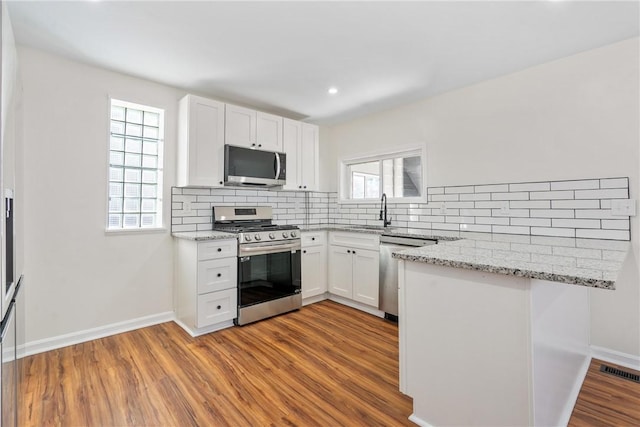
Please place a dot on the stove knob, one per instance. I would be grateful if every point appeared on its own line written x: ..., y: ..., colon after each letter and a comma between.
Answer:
x: 285, y: 234
x: 294, y: 234
x: 247, y: 238
x: 258, y: 237
x: 272, y: 236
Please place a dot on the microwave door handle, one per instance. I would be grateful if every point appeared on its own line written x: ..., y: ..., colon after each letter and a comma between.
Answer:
x: 277, y: 165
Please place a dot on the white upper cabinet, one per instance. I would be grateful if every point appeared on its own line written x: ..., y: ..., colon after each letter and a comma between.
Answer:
x: 269, y: 132
x: 253, y: 129
x: 301, y: 147
x: 240, y: 126
x: 200, y: 142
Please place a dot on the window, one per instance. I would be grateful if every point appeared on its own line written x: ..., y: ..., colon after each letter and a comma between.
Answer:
x: 399, y: 175
x: 135, y: 166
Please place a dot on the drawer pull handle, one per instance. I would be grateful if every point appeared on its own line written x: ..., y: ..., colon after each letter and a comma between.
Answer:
x: 304, y: 252
x: 219, y: 307
x: 219, y: 249
x: 313, y: 238
x: 354, y: 252
x: 348, y: 251
x: 219, y: 274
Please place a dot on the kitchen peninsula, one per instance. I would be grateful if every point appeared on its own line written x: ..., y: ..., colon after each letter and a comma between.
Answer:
x: 494, y: 329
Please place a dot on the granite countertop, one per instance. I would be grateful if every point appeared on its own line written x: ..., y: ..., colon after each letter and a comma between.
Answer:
x: 388, y: 231
x: 586, y: 262
x: 204, y: 235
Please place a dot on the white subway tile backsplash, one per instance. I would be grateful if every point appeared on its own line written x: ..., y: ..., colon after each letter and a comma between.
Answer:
x: 491, y: 188
x: 457, y: 190
x: 551, y: 195
x: 614, y: 183
x: 552, y: 241
x: 510, y: 196
x: 476, y: 227
x: 528, y: 204
x: 575, y: 223
x: 615, y: 224
x: 575, y: 204
x: 532, y: 222
x: 616, y: 193
x: 444, y: 198
x: 530, y: 186
x: 552, y: 213
x: 604, y: 234
x: 492, y: 220
x: 507, y: 229
x: 548, y: 231
x: 533, y: 209
x: 475, y: 196
x: 585, y: 184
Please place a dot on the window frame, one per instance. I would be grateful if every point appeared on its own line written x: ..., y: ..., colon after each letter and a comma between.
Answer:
x: 344, y: 178
x: 160, y: 199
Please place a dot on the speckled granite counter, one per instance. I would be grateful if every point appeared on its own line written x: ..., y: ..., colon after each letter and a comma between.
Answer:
x: 389, y: 231
x: 587, y: 262
x: 204, y: 235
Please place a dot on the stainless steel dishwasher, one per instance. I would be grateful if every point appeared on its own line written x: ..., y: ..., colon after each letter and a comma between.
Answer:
x: 388, y: 301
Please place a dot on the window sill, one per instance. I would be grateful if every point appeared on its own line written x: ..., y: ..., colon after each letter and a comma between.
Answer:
x: 124, y: 231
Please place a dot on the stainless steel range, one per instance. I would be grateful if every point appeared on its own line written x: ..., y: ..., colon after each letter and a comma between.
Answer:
x: 268, y: 261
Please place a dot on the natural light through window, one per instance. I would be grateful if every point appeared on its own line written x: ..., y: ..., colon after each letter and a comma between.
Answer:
x: 399, y: 175
x: 135, y: 166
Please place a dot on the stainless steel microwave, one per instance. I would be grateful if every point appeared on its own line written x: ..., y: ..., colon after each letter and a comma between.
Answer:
x: 255, y: 168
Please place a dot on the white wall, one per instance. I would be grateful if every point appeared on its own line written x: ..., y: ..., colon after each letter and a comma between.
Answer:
x: 577, y: 117
x: 79, y: 277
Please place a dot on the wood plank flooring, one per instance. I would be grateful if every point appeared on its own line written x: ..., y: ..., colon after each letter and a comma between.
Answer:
x: 606, y: 400
x: 325, y: 365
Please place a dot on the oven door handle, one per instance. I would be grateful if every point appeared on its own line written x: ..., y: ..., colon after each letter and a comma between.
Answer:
x: 269, y: 249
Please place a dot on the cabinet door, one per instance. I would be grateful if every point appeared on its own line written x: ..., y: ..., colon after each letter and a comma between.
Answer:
x: 314, y: 271
x: 309, y: 157
x: 269, y: 132
x: 217, y: 275
x: 340, y: 271
x: 292, y: 138
x: 217, y: 307
x: 201, y: 142
x: 240, y: 126
x: 366, y: 266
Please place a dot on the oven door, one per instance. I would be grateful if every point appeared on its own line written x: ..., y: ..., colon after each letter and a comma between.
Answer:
x: 268, y: 271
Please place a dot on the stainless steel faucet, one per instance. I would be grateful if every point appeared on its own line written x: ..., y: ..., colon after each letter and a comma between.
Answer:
x: 383, y: 203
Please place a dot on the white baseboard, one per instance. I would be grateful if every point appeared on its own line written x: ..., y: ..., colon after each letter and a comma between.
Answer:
x: 47, y: 344
x: 422, y: 423
x: 201, y: 331
x: 314, y: 299
x: 357, y: 305
x: 616, y: 357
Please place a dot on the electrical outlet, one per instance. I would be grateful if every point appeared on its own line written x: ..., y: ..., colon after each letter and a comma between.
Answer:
x: 623, y: 207
x: 186, y: 207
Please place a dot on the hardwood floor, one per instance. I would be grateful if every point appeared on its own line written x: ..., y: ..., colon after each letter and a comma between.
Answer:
x: 325, y: 365
x: 606, y: 400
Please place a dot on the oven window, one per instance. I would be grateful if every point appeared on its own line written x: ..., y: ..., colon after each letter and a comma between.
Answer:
x: 267, y: 277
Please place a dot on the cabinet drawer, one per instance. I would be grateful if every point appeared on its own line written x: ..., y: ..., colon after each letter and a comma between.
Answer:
x: 216, y: 307
x: 217, y: 274
x: 355, y: 240
x: 217, y: 249
x: 313, y: 238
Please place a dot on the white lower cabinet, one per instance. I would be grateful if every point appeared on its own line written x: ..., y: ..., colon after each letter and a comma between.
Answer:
x: 354, y: 263
x: 314, y: 263
x: 206, y: 290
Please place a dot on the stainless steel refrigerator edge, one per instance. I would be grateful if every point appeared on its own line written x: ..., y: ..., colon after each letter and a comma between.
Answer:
x: 388, y: 301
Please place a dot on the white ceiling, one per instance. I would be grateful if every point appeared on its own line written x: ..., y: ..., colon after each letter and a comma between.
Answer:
x: 283, y: 56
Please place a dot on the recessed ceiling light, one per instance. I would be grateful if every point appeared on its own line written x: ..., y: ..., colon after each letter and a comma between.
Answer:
x: 333, y: 90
